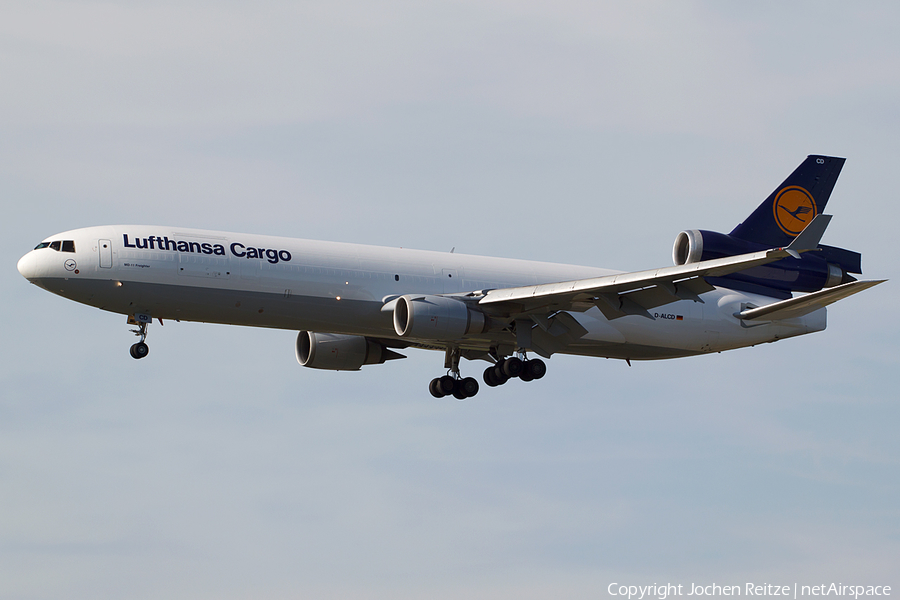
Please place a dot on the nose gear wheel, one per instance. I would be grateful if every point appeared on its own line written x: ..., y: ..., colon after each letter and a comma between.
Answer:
x: 140, y: 349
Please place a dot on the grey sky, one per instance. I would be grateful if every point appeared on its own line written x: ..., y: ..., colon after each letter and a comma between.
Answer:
x: 571, y: 132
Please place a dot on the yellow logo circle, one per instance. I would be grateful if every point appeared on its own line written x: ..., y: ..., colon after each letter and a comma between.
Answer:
x: 794, y: 209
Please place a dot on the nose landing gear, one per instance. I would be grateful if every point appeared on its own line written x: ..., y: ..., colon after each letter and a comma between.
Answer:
x: 140, y: 349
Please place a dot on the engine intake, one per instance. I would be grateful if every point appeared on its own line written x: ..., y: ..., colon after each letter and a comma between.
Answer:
x: 688, y: 247
x: 435, y: 318
x: 336, y: 352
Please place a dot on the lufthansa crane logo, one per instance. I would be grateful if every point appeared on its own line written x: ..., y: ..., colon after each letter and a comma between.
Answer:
x: 794, y: 209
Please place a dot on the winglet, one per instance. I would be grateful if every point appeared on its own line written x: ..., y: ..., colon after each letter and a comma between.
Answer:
x: 809, y: 238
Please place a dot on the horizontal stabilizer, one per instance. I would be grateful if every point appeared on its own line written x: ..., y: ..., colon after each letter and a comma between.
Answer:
x: 802, y: 305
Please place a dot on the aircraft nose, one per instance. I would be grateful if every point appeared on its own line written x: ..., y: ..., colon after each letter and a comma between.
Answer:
x: 27, y: 266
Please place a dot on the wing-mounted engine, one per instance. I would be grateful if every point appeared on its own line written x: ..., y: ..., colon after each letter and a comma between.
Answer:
x: 826, y: 267
x: 435, y: 318
x: 335, y: 352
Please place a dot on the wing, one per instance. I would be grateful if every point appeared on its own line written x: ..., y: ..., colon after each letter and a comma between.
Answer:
x: 634, y: 293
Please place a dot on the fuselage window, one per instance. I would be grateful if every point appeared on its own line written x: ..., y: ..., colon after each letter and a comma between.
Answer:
x: 42, y: 245
x: 68, y: 246
x: 54, y: 246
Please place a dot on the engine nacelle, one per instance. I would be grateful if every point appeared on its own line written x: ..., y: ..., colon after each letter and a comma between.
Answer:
x: 688, y: 247
x: 435, y: 318
x: 826, y: 267
x: 339, y: 352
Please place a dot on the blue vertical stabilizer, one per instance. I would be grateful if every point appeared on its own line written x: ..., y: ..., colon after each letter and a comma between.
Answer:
x: 793, y: 204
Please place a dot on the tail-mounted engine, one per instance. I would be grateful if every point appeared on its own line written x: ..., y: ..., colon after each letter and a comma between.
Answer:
x: 827, y: 267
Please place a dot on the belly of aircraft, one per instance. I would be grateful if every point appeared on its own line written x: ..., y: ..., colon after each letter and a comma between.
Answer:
x: 632, y: 337
x: 228, y: 306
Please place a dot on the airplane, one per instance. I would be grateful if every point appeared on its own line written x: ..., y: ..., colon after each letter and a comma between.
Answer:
x: 356, y: 305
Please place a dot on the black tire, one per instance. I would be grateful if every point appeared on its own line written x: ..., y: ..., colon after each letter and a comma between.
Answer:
x: 447, y: 384
x: 459, y: 391
x: 435, y: 388
x: 537, y: 368
x: 526, y: 375
x: 512, y: 366
x: 139, y: 350
x: 489, y: 377
x: 499, y: 376
x: 469, y: 385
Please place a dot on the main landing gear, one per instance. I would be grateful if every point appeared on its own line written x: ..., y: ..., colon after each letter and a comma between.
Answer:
x: 505, y: 369
x: 140, y: 349
x: 453, y: 384
x: 508, y: 368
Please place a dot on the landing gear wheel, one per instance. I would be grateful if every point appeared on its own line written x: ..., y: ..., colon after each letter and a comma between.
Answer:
x: 537, y: 368
x: 489, y: 377
x: 526, y: 375
x: 446, y: 384
x: 499, y: 376
x: 139, y: 350
x: 469, y: 386
x: 512, y: 366
x: 435, y: 388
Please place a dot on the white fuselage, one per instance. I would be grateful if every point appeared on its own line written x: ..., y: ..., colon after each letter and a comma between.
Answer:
x: 328, y: 287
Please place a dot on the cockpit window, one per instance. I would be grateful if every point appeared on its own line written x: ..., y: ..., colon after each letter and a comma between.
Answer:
x: 63, y: 246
